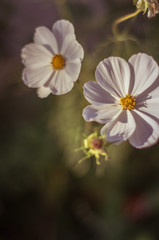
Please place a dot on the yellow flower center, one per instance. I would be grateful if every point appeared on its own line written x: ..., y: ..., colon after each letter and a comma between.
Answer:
x: 58, y: 62
x: 128, y: 102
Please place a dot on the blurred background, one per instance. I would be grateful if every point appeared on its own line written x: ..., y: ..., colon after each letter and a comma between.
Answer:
x: 44, y: 193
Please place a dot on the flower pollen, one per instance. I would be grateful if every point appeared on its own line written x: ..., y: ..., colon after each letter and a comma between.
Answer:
x: 128, y: 102
x: 58, y: 62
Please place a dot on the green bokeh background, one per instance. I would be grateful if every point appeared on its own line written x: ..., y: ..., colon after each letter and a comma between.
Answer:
x: 44, y: 193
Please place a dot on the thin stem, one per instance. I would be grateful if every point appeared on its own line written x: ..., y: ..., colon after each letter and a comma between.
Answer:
x: 80, y: 87
x: 84, y: 158
x: 63, y: 9
x: 122, y: 19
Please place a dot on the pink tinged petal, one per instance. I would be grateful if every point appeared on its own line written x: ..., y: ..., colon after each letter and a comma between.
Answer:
x: 36, y: 77
x: 121, y: 128
x: 73, y: 69
x: 43, y: 92
x: 61, y: 83
x: 71, y: 49
x: 146, y: 72
x: 61, y: 29
x: 102, y: 114
x: 113, y: 74
x: 35, y: 55
x: 146, y: 133
x: 45, y: 37
x: 96, y: 95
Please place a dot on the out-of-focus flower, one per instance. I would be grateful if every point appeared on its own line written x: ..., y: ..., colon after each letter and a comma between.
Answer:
x: 126, y: 99
x: 94, y: 145
x: 53, y: 61
x: 152, y: 6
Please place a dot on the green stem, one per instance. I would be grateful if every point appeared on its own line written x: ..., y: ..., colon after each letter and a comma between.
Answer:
x: 80, y: 87
x: 122, y: 19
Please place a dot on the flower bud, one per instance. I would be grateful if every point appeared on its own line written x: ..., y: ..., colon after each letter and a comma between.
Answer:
x: 94, y: 145
x: 152, y: 6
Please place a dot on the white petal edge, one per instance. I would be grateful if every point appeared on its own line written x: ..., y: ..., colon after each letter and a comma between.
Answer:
x: 43, y: 92
x: 146, y: 133
x: 61, y: 83
x: 73, y: 69
x: 36, y: 77
x: 71, y: 49
x: 61, y: 29
x: 121, y: 128
x: 103, y: 114
x: 96, y: 95
x: 113, y: 75
x: 146, y: 72
x: 35, y: 55
x: 45, y: 37
x: 150, y: 93
x: 150, y: 107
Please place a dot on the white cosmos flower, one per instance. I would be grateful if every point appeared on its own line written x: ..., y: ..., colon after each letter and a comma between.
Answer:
x: 53, y: 61
x: 126, y: 99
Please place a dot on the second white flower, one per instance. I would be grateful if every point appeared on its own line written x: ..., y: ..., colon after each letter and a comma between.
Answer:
x: 126, y: 99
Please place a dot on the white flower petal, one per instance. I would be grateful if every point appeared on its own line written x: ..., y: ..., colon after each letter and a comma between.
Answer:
x: 36, y: 56
x: 45, y: 37
x: 146, y: 71
x: 154, y: 93
x: 101, y: 114
x: 113, y: 74
x: 60, y: 29
x: 121, y: 128
x: 36, y: 77
x: 96, y: 95
x: 43, y: 92
x: 146, y: 133
x: 149, y: 93
x: 71, y: 49
x: 73, y: 69
x: 61, y: 83
x: 151, y: 107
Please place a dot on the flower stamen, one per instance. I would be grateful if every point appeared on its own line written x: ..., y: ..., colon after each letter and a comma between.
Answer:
x: 128, y: 102
x: 96, y: 143
x: 58, y: 62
